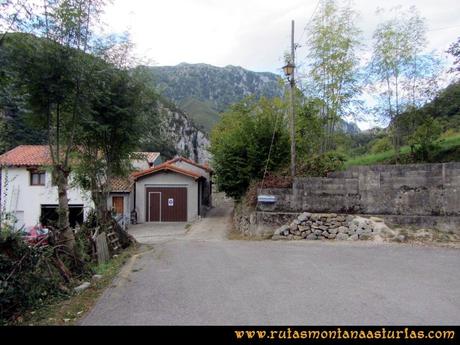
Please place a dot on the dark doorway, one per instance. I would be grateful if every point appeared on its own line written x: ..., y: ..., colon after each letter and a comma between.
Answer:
x: 49, y: 215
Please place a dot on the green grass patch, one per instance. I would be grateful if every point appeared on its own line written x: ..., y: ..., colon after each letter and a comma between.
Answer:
x: 448, y: 151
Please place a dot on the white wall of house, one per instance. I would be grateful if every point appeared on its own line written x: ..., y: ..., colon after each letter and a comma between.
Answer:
x: 25, y: 200
x: 167, y: 180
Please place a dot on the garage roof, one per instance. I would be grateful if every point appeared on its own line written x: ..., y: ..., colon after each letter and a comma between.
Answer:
x: 121, y: 184
x: 167, y: 166
x: 178, y: 159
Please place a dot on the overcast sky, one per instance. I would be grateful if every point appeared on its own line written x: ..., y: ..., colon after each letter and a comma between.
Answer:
x: 250, y: 33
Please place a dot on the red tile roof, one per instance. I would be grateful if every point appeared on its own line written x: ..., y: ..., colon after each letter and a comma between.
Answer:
x: 149, y: 156
x: 177, y: 159
x: 27, y: 155
x: 121, y: 184
x: 167, y: 166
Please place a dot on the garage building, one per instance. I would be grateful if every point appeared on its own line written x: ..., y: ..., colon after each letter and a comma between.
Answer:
x: 178, y: 190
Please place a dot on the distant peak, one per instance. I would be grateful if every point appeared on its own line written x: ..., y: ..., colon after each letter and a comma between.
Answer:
x: 233, y: 67
x: 195, y: 64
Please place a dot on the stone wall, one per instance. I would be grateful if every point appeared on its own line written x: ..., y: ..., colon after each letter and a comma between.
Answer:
x: 329, y: 226
x: 259, y: 224
x: 407, y: 190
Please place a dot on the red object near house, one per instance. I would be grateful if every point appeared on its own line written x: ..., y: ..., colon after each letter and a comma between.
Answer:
x: 35, y: 235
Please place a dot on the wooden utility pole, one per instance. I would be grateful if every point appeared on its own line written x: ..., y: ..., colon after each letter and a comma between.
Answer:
x: 292, y: 113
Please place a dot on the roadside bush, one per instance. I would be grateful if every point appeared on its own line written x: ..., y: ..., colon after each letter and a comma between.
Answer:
x: 381, y: 145
x: 27, y: 275
x: 321, y: 165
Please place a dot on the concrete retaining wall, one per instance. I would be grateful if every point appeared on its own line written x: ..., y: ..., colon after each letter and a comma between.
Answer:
x: 405, y: 190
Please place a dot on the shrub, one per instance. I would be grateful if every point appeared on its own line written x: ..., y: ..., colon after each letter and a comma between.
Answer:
x: 423, y: 140
x: 321, y: 165
x: 27, y: 276
x: 381, y: 145
x: 241, y: 141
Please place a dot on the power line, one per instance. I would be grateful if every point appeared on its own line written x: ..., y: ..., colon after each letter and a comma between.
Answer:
x: 269, y: 154
x: 302, y: 62
x: 309, y: 20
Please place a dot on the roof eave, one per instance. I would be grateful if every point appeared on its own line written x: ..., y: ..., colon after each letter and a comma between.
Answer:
x: 166, y: 169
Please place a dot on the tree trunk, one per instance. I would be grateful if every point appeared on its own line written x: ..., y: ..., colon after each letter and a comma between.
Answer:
x: 66, y: 236
x: 100, y: 204
x: 396, y: 140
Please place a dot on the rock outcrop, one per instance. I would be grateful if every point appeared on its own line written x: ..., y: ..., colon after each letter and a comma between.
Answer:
x: 183, y: 134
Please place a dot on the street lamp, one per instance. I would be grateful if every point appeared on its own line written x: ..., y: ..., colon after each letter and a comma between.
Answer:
x: 289, y: 73
x: 288, y: 69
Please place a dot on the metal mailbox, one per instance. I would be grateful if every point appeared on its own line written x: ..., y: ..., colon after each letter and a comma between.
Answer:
x: 267, y: 199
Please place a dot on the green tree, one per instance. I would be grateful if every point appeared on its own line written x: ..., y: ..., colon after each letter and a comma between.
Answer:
x: 3, y: 129
x: 333, y: 64
x: 54, y: 76
x: 121, y: 103
x: 18, y: 121
x: 454, y: 50
x: 400, y: 73
x: 423, y: 140
x: 251, y: 136
x: 309, y: 128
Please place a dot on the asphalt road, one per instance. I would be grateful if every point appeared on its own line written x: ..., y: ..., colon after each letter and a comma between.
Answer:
x: 193, y: 281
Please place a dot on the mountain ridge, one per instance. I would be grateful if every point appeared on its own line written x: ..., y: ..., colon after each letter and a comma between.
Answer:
x: 204, y: 91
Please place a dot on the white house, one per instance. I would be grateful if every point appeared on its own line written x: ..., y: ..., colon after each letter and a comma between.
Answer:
x: 27, y: 191
x: 176, y: 190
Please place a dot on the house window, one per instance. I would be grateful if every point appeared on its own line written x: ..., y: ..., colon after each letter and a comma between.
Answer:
x: 37, y: 178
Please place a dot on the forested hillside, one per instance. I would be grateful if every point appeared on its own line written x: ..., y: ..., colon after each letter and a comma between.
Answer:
x: 169, y: 131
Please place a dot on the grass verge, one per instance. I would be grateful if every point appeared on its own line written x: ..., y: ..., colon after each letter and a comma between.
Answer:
x: 68, y: 311
x: 448, y: 150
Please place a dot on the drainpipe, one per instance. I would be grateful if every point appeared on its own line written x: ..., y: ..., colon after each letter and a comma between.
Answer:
x: 134, y: 195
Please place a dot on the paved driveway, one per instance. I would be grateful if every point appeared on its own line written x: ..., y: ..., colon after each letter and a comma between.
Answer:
x: 150, y: 233
x: 193, y: 279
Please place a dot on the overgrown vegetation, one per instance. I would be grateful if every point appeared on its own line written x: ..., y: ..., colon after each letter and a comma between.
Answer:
x: 78, y: 91
x: 332, y: 76
x: 401, y: 76
x: 446, y: 149
x: 32, y: 274
x: 321, y: 165
x: 68, y: 310
x: 241, y: 141
x: 28, y: 275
